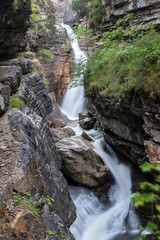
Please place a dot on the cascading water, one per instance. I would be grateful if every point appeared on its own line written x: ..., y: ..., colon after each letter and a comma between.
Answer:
x: 116, y: 220
x: 97, y: 221
x: 74, y: 99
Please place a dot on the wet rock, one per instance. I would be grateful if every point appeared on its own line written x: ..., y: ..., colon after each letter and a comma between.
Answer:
x: 81, y: 163
x: 56, y: 122
x: 86, y: 136
x: 61, y: 133
x: 11, y: 76
x: 4, y: 97
x: 85, y: 121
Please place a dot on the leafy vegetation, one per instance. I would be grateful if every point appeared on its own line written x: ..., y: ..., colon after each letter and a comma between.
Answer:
x: 45, y: 54
x: 44, y: 24
x: 23, y: 197
x: 60, y: 232
x: 129, y: 58
x: 150, y: 194
x: 15, y: 102
x: 92, y: 9
x: 95, y: 13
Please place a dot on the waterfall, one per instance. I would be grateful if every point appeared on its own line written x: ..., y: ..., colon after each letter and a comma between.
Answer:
x: 115, y: 220
x: 74, y: 99
x: 96, y: 221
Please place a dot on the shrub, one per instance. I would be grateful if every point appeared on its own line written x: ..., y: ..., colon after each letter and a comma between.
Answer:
x: 129, y: 58
x: 45, y: 54
x: 150, y: 194
x: 15, y: 102
x: 35, y: 8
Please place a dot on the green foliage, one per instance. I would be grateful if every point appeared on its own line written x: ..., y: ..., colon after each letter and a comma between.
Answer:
x: 35, y: 8
x: 95, y: 12
x: 86, y: 35
x: 150, y: 194
x: 24, y: 197
x: 129, y: 58
x: 81, y: 6
x: 45, y: 54
x: 15, y: 102
x: 59, y: 233
x: 43, y: 25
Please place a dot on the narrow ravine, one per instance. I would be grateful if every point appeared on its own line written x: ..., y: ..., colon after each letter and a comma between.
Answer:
x: 115, y: 220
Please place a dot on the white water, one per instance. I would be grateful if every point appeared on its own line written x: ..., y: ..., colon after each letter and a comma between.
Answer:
x: 74, y: 99
x: 116, y: 220
x: 97, y: 221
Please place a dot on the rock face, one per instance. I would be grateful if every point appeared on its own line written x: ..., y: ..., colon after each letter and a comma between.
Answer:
x: 132, y: 126
x: 14, y: 22
x: 81, y: 163
x: 144, y: 10
x: 28, y: 157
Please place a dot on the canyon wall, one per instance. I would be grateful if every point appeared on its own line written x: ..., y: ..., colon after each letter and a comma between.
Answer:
x: 29, y: 161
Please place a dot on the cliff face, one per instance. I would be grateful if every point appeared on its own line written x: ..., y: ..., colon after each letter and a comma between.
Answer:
x: 131, y: 126
x: 14, y: 22
x: 28, y: 158
x: 144, y: 10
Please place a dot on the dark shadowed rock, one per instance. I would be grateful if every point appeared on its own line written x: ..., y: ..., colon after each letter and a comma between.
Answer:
x: 130, y: 124
x: 11, y: 75
x: 81, y: 163
x: 86, y: 136
x: 85, y: 121
x: 14, y: 22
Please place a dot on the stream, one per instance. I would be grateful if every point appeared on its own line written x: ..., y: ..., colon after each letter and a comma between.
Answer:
x: 115, y: 220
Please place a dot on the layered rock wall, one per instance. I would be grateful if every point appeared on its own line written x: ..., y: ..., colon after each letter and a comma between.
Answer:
x: 132, y: 126
x: 28, y: 157
x: 144, y: 10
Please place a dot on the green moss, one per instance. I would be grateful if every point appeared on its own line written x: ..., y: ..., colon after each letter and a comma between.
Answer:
x: 15, y: 102
x: 35, y: 8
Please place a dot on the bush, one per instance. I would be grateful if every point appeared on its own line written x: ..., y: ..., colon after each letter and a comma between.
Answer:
x: 16, y: 102
x: 129, y: 58
x: 35, y: 8
x: 150, y: 194
x: 45, y: 54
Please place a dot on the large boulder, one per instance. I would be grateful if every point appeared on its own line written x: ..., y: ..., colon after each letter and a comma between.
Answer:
x: 85, y: 121
x: 81, y: 163
x: 61, y: 133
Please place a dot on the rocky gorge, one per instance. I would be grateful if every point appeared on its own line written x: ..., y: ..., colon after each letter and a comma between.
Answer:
x: 38, y: 151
